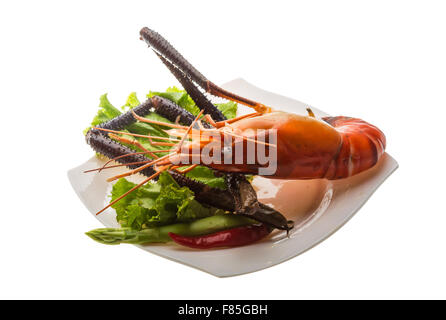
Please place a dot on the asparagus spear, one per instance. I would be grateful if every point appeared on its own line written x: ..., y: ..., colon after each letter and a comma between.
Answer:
x: 160, y: 234
x: 121, y: 235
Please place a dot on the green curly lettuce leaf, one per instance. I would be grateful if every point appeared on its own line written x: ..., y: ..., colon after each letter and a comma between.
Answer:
x: 229, y: 109
x: 132, y: 101
x: 157, y: 203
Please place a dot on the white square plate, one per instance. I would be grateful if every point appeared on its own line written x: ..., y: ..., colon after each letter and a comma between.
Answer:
x: 318, y: 207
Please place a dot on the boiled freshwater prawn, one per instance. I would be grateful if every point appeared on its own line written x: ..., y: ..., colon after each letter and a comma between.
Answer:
x: 307, y: 147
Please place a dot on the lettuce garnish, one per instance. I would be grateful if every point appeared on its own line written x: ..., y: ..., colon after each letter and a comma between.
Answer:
x: 157, y: 203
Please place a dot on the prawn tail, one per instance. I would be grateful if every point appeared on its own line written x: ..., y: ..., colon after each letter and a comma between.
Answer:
x: 362, y: 145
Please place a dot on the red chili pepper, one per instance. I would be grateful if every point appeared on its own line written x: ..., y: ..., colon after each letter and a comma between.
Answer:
x: 239, y: 236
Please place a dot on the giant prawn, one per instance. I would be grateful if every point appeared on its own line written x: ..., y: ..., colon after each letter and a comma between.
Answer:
x: 306, y: 147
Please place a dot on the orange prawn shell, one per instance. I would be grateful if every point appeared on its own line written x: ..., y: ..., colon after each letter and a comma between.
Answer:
x: 363, y: 144
x: 304, y: 145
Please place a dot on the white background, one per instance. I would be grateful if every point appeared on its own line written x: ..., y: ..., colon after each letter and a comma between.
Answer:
x: 384, y: 61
